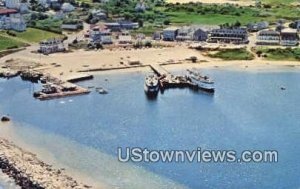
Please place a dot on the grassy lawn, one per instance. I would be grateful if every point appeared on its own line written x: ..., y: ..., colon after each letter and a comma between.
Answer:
x: 33, y: 35
x: 287, y: 54
x: 211, y: 19
x: 8, y: 43
x: 278, y: 1
x: 213, y: 14
x: 233, y: 54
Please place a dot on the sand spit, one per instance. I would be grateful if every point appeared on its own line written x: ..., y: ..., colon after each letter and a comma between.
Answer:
x: 30, y: 172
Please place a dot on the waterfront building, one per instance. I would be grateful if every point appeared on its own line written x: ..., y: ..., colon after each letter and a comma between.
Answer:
x: 194, y: 33
x: 125, y: 38
x: 185, y: 33
x: 106, y: 37
x: 10, y: 19
x: 229, y: 35
x: 102, y: 36
x: 51, y: 46
x: 289, y: 37
x: 268, y: 37
x: 170, y: 34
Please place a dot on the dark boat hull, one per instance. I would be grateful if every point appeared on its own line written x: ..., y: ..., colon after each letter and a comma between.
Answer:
x: 151, y: 91
x: 208, y: 90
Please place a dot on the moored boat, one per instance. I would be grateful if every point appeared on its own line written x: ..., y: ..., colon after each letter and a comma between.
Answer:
x: 151, y: 85
x: 203, y: 83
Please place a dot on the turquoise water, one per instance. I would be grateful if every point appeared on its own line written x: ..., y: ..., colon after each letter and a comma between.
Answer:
x: 248, y: 111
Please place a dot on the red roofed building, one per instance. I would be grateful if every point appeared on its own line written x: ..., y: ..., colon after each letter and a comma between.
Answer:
x: 7, y: 11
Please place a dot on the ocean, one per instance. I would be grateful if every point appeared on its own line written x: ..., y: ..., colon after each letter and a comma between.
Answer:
x: 249, y: 111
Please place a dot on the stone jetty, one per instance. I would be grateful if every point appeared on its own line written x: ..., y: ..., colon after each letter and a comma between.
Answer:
x: 29, y: 172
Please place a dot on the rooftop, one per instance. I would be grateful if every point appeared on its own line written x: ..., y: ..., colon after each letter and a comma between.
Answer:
x: 7, y: 11
x: 171, y: 29
x: 289, y: 30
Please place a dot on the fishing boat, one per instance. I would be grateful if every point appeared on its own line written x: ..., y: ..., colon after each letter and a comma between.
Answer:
x: 151, y: 85
x: 203, y: 83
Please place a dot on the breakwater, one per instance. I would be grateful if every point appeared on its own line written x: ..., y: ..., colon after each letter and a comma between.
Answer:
x: 31, y: 173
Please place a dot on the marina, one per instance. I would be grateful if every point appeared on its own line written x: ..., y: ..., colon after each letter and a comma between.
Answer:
x: 52, y: 87
x: 193, y: 80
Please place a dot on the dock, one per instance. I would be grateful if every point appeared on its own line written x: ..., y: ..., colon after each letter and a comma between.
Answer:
x: 158, y: 70
x: 168, y: 80
x: 54, y: 87
x: 79, y: 77
x: 62, y: 90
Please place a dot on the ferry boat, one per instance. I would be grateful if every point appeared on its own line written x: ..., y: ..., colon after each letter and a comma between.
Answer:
x: 203, y: 83
x: 151, y: 85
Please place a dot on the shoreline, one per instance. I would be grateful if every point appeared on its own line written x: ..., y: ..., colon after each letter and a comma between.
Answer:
x: 30, y: 172
x: 70, y: 65
x: 95, y: 168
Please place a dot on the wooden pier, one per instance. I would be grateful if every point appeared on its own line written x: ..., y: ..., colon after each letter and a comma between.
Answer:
x: 167, y: 80
x: 54, y: 87
x: 79, y: 77
x: 158, y: 70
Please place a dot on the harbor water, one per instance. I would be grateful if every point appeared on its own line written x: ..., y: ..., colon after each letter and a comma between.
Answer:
x: 249, y: 111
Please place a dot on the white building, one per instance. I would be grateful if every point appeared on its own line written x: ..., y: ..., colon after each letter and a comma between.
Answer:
x: 51, y: 46
x: 125, y: 38
x: 102, y: 36
x: 10, y: 19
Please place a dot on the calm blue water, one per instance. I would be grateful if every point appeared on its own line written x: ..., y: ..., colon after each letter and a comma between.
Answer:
x: 248, y: 111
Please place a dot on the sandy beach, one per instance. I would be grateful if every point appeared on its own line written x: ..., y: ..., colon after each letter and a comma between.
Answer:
x: 69, y: 65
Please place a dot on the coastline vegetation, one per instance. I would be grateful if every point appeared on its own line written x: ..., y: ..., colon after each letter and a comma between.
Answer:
x: 160, y: 14
x: 9, y: 43
x: 199, y: 13
x: 288, y: 54
x: 232, y: 54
